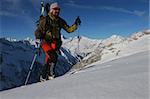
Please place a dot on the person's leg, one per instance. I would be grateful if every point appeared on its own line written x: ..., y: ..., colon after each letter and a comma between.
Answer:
x: 51, y: 63
x: 44, y: 74
x: 50, y: 60
x: 45, y: 69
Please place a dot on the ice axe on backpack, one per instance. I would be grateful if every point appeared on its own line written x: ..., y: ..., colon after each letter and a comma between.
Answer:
x: 44, y: 8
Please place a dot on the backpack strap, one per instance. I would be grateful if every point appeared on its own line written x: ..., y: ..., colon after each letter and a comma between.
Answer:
x: 48, y: 26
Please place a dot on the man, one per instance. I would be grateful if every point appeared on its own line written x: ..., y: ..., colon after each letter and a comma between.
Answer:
x: 48, y: 31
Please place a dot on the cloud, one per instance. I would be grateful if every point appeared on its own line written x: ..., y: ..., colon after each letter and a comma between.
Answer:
x: 139, y: 13
x: 109, y: 8
x: 72, y: 4
x: 123, y: 10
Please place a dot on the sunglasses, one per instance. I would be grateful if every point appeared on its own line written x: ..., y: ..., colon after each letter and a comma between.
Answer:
x: 56, y: 8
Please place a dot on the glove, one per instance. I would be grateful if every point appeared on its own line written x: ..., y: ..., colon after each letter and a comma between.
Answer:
x: 38, y: 41
x: 38, y: 44
x: 78, y: 21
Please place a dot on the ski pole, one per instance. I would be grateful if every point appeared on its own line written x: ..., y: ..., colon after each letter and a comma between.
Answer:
x: 38, y: 46
x: 78, y: 40
x: 78, y: 36
x: 29, y: 73
x: 32, y: 64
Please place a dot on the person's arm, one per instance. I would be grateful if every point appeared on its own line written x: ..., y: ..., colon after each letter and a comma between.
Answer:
x: 68, y: 28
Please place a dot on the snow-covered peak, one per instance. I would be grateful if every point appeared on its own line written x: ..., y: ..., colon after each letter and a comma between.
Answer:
x: 30, y: 40
x: 148, y: 31
x: 116, y: 46
x: 138, y: 35
x: 81, y: 45
x: 11, y: 39
x: 114, y: 39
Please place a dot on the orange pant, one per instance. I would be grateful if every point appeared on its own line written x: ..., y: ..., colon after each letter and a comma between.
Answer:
x: 47, y: 47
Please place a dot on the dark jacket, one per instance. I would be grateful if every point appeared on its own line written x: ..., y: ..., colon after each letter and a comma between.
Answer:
x: 52, y: 31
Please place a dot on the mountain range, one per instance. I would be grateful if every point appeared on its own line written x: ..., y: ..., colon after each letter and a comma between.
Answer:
x: 76, y: 55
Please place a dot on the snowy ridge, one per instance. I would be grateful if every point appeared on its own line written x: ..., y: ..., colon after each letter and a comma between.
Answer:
x: 84, y: 45
x: 115, y: 47
x: 16, y: 56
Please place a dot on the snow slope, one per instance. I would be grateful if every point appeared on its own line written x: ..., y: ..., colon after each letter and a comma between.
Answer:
x: 16, y: 56
x: 15, y: 60
x: 123, y: 78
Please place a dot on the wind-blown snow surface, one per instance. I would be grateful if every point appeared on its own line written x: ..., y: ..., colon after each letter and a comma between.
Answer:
x: 123, y: 78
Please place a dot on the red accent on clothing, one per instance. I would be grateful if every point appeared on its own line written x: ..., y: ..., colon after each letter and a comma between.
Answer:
x: 48, y: 47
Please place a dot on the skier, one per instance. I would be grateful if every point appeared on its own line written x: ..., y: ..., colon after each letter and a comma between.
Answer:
x: 48, y: 35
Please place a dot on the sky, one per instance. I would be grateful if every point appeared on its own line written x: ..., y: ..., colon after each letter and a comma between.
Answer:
x: 100, y: 18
